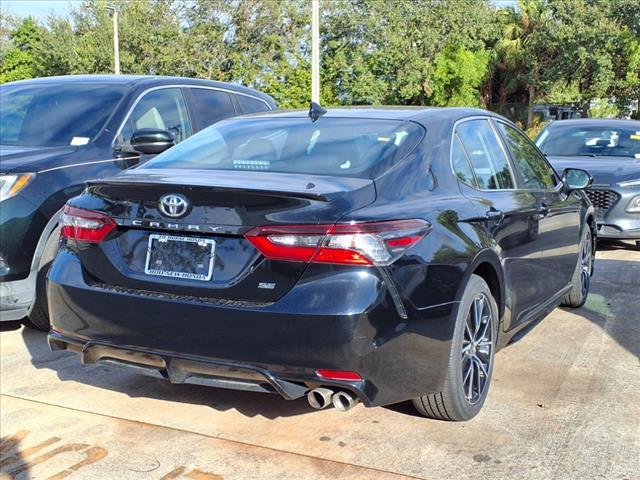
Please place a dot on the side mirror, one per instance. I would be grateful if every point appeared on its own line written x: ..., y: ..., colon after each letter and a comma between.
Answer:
x: 151, y: 141
x: 576, y: 179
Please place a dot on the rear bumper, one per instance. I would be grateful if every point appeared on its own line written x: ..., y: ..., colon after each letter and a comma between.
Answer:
x: 346, y: 322
x: 194, y: 370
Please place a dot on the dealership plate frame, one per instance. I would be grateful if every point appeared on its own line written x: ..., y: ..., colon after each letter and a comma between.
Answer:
x: 174, y: 274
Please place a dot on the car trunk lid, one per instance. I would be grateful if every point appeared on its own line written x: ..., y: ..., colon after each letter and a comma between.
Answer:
x: 221, y: 207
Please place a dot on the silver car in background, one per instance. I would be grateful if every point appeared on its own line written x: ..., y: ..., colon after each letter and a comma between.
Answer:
x: 609, y: 149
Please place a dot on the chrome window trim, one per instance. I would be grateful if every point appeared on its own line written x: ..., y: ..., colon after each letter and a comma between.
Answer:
x: 233, y: 92
x: 178, y: 85
x: 558, y: 186
x: 91, y: 162
x: 486, y: 118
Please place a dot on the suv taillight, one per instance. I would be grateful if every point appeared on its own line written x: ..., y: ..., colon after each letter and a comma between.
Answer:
x: 85, y: 225
x: 379, y: 243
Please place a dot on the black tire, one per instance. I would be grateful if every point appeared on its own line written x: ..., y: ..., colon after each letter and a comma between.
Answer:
x: 460, y: 400
x: 581, y: 280
x: 39, y: 316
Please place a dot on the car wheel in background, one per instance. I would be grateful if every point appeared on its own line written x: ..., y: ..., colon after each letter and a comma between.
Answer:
x: 39, y: 316
x: 581, y: 280
x: 470, y: 360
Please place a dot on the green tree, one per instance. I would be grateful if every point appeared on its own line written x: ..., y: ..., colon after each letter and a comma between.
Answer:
x: 152, y: 40
x: 589, y: 46
x: 7, y: 25
x: 458, y: 75
x: 385, y: 52
x: 524, y: 47
x: 18, y: 60
x: 207, y: 24
x: 415, y: 52
x: 256, y: 43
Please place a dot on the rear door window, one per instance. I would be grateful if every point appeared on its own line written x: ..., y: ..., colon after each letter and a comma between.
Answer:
x: 533, y: 171
x: 164, y: 109
x: 460, y: 162
x: 211, y: 106
x: 251, y: 105
x: 488, y: 159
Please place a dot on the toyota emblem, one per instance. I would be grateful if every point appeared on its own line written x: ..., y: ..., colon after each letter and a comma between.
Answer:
x: 173, y: 205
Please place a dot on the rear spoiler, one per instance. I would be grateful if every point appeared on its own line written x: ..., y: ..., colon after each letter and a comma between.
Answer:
x: 322, y: 188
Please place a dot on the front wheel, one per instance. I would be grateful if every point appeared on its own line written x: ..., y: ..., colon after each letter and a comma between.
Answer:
x: 470, y: 359
x: 581, y: 280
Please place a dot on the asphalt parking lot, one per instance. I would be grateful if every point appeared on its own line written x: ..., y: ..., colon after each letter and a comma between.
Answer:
x: 563, y: 405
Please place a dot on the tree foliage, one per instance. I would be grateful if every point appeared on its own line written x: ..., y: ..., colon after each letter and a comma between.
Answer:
x: 18, y: 59
x: 414, y: 52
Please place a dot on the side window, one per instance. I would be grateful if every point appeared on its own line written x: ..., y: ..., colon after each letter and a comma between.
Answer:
x: 211, y: 106
x: 533, y: 170
x: 488, y: 160
x: 460, y: 163
x: 165, y: 109
x: 251, y: 105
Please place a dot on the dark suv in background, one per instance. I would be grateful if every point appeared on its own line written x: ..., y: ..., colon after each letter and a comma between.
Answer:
x: 58, y: 132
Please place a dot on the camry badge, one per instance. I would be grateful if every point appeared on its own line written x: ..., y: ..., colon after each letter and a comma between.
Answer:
x: 173, y: 205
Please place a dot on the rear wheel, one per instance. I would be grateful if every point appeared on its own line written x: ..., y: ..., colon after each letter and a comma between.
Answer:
x: 470, y: 359
x: 39, y: 316
x: 581, y: 280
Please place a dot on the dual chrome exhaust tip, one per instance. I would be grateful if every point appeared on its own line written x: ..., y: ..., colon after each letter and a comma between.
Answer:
x: 322, y: 397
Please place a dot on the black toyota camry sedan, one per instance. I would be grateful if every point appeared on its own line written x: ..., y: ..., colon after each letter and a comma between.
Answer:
x: 373, y: 255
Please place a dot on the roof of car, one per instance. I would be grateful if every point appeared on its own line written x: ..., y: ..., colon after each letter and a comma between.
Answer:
x: 418, y: 114
x: 605, y: 122
x: 99, y: 79
x: 140, y: 80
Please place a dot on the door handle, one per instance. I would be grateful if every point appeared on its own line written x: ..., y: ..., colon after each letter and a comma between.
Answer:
x: 543, y: 209
x: 495, y: 215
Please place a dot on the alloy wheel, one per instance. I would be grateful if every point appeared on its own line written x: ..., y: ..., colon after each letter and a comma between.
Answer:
x: 477, y: 349
x: 586, y: 263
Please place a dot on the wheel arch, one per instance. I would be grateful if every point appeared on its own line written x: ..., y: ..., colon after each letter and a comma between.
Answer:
x: 486, y: 264
x: 590, y: 221
x: 44, y: 237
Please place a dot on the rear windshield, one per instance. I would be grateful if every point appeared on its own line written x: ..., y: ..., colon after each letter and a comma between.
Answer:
x: 56, y: 114
x: 331, y: 146
x: 590, y: 141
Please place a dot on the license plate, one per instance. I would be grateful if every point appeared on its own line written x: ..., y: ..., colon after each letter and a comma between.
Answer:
x: 180, y: 257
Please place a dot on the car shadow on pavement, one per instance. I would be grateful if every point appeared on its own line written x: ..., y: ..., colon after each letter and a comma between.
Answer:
x: 609, y: 245
x: 9, y: 326
x: 120, y: 379
x: 12, y: 461
x: 613, y: 302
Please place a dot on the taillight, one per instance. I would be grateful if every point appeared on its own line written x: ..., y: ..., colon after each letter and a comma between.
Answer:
x: 339, y: 375
x: 85, y: 225
x: 379, y: 243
